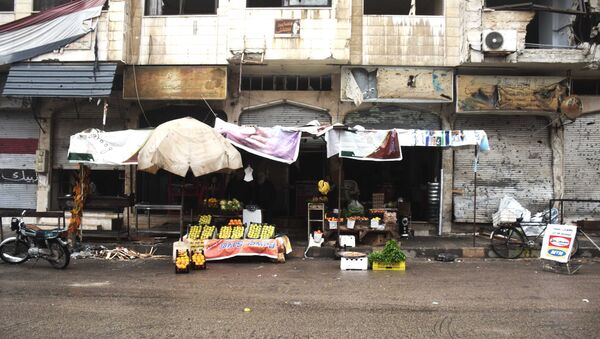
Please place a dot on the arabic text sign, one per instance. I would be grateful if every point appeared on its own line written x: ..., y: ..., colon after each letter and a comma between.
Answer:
x: 18, y: 176
x: 558, y: 242
x: 217, y: 249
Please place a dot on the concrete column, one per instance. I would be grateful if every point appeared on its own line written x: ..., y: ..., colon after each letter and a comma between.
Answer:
x: 447, y: 119
x: 45, y: 178
x: 356, y: 34
x: 557, y: 141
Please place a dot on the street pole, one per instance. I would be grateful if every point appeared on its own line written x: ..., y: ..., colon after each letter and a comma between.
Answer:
x: 475, y: 163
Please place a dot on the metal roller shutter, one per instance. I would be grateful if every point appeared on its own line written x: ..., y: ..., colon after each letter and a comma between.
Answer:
x: 519, y: 165
x: 582, y: 166
x: 19, y: 135
x: 283, y: 115
x: 389, y: 117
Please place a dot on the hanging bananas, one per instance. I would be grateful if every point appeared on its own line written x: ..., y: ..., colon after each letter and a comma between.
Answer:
x: 323, y: 187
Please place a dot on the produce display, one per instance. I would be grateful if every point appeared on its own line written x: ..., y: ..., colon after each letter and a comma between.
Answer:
x: 235, y: 222
x: 334, y: 219
x: 358, y: 218
x: 233, y: 205
x: 207, y: 232
x: 225, y: 232
x: 201, y: 232
x: 205, y: 219
x: 323, y: 187
x: 260, y: 231
x: 182, y: 262
x: 237, y: 232
x: 199, y: 260
x: 211, y: 203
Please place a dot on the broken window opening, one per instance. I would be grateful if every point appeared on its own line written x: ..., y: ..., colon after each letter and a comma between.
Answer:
x: 550, y: 30
x: 404, y: 7
x: 287, y: 3
x: 585, y: 87
x: 565, y: 7
x: 586, y: 28
x: 286, y: 83
x: 7, y: 5
x: 181, y: 7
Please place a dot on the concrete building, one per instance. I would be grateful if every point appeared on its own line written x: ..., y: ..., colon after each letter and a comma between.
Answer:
x: 519, y: 73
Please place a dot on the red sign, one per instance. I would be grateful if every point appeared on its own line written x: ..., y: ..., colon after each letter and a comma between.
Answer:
x: 217, y: 249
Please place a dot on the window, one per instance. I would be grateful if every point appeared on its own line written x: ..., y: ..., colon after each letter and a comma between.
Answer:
x: 585, y: 87
x: 7, y: 5
x: 286, y: 83
x: 404, y: 7
x: 181, y: 7
x: 287, y: 3
x: 42, y: 5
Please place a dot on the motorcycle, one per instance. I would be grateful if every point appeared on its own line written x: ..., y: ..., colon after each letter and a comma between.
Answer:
x: 32, y: 242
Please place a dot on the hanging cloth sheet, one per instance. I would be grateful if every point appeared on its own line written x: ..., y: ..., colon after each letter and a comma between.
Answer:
x: 275, y: 143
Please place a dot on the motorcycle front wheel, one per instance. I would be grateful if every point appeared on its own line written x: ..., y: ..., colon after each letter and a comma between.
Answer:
x: 60, y: 255
x: 14, y: 251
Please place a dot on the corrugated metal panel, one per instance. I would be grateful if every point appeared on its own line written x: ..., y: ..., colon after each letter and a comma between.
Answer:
x: 64, y: 128
x: 283, y: 115
x: 21, y: 161
x: 582, y: 166
x: 18, y: 125
x: 18, y: 196
x: 60, y: 80
x: 388, y: 117
x: 519, y: 165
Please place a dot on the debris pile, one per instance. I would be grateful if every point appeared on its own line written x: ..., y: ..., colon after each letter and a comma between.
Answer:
x: 118, y: 253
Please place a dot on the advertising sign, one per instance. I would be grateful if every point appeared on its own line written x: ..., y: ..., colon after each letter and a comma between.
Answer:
x: 558, y: 242
x: 217, y: 249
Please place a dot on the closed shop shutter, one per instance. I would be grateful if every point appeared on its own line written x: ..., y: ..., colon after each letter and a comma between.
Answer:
x: 519, y: 165
x: 69, y: 123
x: 389, y: 117
x: 283, y: 115
x: 582, y: 166
x: 19, y: 135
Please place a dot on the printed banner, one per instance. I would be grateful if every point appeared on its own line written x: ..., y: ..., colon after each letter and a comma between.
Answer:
x: 374, y: 145
x: 217, y: 249
x: 558, y: 242
x: 107, y: 148
x: 275, y: 143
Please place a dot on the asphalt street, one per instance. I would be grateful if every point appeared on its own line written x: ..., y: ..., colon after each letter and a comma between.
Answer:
x: 255, y: 298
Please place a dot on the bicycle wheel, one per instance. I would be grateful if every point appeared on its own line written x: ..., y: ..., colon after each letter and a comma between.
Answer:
x: 507, y: 242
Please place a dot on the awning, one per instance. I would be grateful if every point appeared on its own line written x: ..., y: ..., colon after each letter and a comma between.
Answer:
x: 60, y: 80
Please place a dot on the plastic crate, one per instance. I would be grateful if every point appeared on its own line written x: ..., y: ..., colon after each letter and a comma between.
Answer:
x: 399, y: 266
x: 360, y: 263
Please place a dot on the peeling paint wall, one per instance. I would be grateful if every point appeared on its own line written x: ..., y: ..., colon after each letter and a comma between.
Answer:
x: 209, y: 39
x: 410, y: 40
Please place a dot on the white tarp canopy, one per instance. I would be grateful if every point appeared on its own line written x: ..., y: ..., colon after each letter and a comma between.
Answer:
x: 94, y: 146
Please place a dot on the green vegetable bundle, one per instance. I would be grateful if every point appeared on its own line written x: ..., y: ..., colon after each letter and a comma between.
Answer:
x: 390, y: 254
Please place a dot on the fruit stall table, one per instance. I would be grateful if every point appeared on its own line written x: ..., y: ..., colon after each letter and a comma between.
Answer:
x: 219, y: 249
x: 366, y: 235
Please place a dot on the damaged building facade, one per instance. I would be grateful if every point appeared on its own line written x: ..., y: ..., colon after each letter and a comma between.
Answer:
x: 526, y: 74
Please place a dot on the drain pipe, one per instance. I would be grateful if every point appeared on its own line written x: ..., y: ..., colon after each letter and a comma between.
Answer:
x: 441, y: 207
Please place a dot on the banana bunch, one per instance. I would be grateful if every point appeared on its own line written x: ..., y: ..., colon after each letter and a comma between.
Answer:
x: 254, y: 231
x: 225, y: 232
x: 268, y: 231
x: 198, y: 259
x: 182, y: 261
x: 237, y: 232
x: 194, y: 232
x: 205, y: 219
x: 323, y: 187
x: 207, y: 232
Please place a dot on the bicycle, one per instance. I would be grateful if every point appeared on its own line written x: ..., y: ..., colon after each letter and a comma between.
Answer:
x: 510, y: 240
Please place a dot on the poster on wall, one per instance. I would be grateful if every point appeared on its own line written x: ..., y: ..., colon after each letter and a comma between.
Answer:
x: 509, y: 93
x: 558, y: 242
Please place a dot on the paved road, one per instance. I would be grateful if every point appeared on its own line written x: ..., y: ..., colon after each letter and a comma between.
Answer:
x: 298, y: 299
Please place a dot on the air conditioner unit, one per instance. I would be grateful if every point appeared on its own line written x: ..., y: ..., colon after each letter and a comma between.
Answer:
x: 499, y: 41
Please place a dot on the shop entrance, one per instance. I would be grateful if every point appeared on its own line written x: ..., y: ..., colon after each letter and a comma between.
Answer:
x: 407, y: 180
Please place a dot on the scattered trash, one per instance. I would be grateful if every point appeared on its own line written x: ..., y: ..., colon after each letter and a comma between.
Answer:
x: 274, y: 275
x: 446, y: 257
x: 260, y: 275
x: 247, y: 309
x: 435, y: 303
x: 585, y: 300
x: 296, y: 303
x: 101, y: 252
